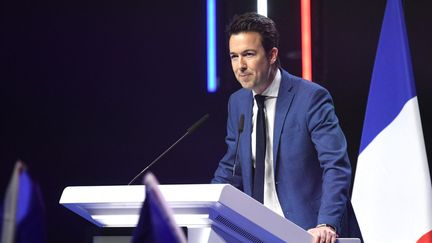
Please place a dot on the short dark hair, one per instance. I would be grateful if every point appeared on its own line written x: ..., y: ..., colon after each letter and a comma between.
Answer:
x: 253, y: 22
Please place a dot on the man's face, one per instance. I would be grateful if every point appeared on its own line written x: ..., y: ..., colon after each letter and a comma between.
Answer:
x: 250, y: 63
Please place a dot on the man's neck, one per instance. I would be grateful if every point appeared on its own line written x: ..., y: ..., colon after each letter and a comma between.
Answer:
x: 270, y: 79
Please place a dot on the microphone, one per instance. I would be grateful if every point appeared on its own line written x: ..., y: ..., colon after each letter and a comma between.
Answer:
x: 239, y: 131
x: 190, y: 130
x: 197, y: 124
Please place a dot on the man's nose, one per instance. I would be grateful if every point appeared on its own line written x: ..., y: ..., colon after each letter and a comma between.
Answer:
x: 242, y: 63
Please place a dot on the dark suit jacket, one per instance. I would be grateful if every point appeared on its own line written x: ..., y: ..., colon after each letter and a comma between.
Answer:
x: 312, y: 168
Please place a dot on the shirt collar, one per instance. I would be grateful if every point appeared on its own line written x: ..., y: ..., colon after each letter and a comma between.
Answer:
x: 273, y: 89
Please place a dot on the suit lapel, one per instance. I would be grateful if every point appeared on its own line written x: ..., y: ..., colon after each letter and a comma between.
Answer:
x: 284, y: 99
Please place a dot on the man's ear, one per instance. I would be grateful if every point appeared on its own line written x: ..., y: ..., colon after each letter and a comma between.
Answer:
x: 273, y: 55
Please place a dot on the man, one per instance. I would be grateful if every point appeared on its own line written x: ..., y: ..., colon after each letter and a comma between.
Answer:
x: 292, y: 153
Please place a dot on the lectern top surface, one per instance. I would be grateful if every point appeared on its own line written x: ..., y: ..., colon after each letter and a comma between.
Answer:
x: 136, y: 194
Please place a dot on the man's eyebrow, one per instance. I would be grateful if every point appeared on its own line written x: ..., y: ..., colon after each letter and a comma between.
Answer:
x: 242, y: 52
x: 249, y: 50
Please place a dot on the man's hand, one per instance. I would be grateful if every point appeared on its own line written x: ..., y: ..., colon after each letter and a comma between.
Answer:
x: 323, y: 234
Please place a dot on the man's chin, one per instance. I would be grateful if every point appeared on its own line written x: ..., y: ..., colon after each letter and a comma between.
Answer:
x: 246, y: 85
x: 249, y: 87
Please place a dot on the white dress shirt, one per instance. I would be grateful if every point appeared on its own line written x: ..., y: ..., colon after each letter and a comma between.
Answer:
x: 270, y: 196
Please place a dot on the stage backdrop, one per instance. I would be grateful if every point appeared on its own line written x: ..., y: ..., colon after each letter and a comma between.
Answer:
x: 92, y: 91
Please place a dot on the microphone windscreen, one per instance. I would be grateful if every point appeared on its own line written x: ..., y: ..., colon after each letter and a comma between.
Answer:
x: 197, y: 124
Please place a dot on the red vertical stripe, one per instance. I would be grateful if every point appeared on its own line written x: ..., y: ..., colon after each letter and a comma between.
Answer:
x: 306, y: 39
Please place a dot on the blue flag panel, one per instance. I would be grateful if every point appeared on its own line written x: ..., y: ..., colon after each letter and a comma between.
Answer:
x: 392, y: 83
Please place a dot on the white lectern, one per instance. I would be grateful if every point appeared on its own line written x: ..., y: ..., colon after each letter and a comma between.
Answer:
x: 212, y: 213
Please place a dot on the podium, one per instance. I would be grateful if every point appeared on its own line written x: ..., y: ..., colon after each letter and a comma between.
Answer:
x: 211, y: 212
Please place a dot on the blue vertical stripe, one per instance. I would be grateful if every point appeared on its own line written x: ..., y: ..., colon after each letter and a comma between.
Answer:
x: 211, y: 46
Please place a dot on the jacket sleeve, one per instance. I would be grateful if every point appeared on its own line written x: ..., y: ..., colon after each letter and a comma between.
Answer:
x: 331, y: 147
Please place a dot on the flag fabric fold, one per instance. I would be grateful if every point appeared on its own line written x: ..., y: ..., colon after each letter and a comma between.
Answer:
x: 156, y: 223
x: 23, y: 210
x: 392, y: 195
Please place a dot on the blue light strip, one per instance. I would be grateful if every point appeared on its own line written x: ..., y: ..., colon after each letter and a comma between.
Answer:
x: 211, y: 46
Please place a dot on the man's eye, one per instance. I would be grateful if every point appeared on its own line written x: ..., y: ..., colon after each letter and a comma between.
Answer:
x: 250, y: 54
x: 233, y: 56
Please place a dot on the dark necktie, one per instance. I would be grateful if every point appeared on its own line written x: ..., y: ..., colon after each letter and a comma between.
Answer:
x: 258, y: 188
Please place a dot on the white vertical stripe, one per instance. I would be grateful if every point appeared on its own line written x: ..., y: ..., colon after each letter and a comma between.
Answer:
x: 392, y: 194
x: 262, y: 7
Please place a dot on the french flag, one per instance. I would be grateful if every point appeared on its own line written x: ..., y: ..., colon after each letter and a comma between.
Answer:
x: 156, y: 223
x: 23, y: 211
x: 392, y: 195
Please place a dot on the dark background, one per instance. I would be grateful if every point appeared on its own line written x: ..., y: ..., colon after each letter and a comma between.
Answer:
x: 92, y: 91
